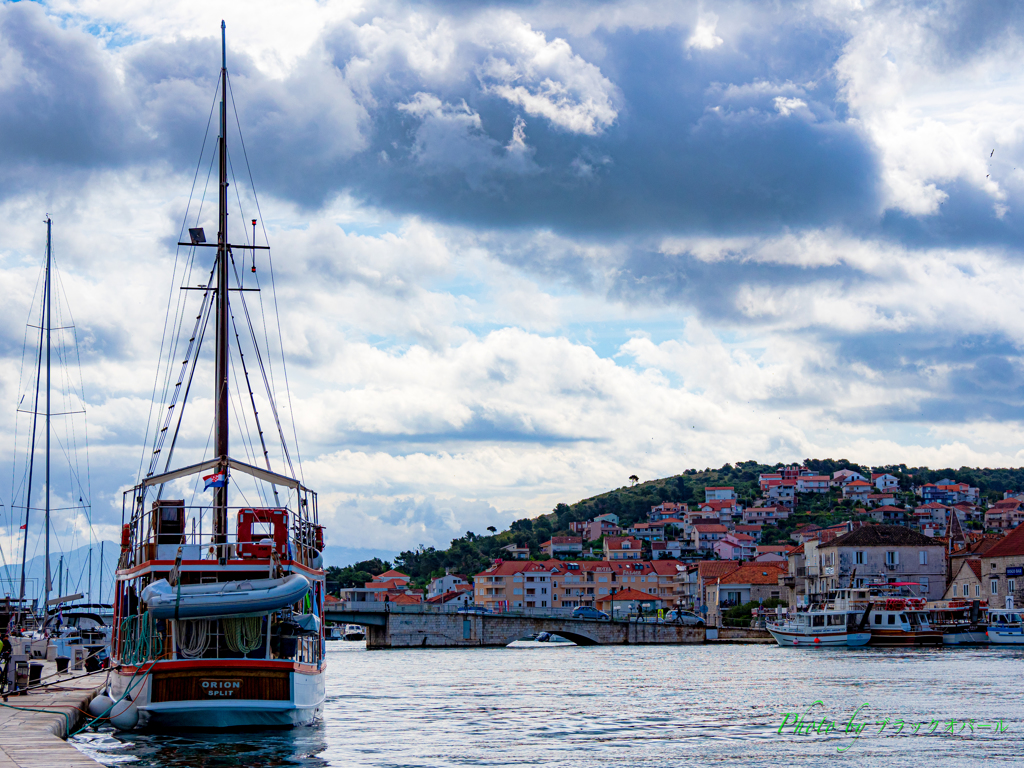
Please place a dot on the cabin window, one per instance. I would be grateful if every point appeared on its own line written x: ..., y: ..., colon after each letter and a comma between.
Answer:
x: 994, y: 586
x: 878, y: 618
x: 818, y: 621
x: 858, y: 558
x: 922, y: 557
x: 904, y: 619
x: 892, y: 618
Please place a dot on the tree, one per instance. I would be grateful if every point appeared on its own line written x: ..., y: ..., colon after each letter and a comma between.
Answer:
x: 633, y: 479
x: 492, y: 529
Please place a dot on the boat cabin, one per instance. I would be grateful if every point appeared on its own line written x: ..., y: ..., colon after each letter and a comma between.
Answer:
x: 1001, y: 618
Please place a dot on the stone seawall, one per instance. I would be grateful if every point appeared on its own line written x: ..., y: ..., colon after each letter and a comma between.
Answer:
x: 739, y: 635
x: 449, y: 630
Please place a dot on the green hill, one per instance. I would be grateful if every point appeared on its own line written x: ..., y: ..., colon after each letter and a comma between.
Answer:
x: 472, y: 552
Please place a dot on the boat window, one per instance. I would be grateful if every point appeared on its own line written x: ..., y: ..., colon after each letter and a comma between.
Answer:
x: 878, y: 618
x: 892, y: 618
x: 835, y: 620
x: 818, y: 621
x: 1015, y: 618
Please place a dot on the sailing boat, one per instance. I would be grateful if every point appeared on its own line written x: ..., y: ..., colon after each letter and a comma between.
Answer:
x: 218, y: 608
x: 48, y: 377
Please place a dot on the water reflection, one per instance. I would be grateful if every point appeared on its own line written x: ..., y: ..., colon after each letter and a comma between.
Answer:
x: 626, y: 706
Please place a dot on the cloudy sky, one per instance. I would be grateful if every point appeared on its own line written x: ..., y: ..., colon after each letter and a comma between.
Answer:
x: 526, y: 249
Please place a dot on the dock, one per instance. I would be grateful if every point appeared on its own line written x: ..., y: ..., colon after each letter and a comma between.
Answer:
x: 36, y: 739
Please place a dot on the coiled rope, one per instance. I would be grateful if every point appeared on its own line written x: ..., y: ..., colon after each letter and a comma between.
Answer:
x: 139, y: 642
x: 192, y: 637
x: 244, y: 634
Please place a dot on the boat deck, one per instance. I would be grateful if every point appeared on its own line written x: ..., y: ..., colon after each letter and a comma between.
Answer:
x: 36, y: 739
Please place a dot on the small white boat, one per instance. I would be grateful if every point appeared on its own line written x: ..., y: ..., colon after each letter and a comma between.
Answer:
x: 1004, y: 626
x: 223, y: 599
x: 818, y: 629
x: 836, y: 623
x: 353, y: 632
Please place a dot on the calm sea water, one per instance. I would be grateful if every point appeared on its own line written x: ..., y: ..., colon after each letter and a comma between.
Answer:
x: 567, y: 706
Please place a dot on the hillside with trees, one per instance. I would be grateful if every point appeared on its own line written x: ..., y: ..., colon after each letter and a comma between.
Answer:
x: 472, y: 553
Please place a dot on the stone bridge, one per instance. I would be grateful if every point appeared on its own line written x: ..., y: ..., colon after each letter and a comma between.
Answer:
x: 406, y: 627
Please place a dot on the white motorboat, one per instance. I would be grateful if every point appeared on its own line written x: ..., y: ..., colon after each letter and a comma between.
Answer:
x: 1004, y: 626
x: 835, y: 623
x: 354, y: 632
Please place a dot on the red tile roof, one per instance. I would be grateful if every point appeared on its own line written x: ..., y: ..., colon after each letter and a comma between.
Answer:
x: 712, y: 569
x: 761, y: 573
x: 1012, y: 544
x: 615, y: 542
x: 710, y: 528
x: 404, y: 599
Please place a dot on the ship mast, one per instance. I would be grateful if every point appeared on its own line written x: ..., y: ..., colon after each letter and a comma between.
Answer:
x: 49, y: 327
x: 44, y: 332
x: 220, y: 496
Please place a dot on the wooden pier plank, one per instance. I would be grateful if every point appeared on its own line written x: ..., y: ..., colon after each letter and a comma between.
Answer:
x: 36, y: 739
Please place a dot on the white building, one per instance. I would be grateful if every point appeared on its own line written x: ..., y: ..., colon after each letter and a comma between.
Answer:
x: 719, y: 493
x: 446, y: 583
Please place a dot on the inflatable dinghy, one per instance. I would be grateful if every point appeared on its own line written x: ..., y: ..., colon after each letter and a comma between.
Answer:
x: 223, y: 599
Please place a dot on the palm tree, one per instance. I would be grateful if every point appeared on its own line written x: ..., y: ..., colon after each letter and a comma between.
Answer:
x: 633, y: 479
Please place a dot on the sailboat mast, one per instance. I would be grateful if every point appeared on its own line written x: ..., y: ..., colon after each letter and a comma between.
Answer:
x: 35, y: 417
x: 49, y: 327
x: 220, y: 498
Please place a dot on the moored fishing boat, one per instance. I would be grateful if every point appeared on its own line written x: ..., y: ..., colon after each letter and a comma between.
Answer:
x: 897, y: 617
x: 1005, y: 627
x: 830, y: 624
x: 961, y: 622
x: 219, y: 609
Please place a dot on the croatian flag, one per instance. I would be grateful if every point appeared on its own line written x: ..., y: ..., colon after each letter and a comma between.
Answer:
x: 216, y: 480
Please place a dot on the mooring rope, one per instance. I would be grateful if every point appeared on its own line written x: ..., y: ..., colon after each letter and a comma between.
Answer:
x: 192, y: 637
x: 244, y: 634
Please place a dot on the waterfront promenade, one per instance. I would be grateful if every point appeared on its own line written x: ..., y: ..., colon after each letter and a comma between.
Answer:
x: 35, y: 739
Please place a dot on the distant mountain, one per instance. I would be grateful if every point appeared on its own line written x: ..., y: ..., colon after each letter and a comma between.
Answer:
x: 76, y: 575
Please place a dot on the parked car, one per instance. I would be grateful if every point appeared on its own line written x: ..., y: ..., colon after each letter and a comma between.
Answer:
x: 586, y: 612
x: 474, y: 609
x: 684, y: 617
